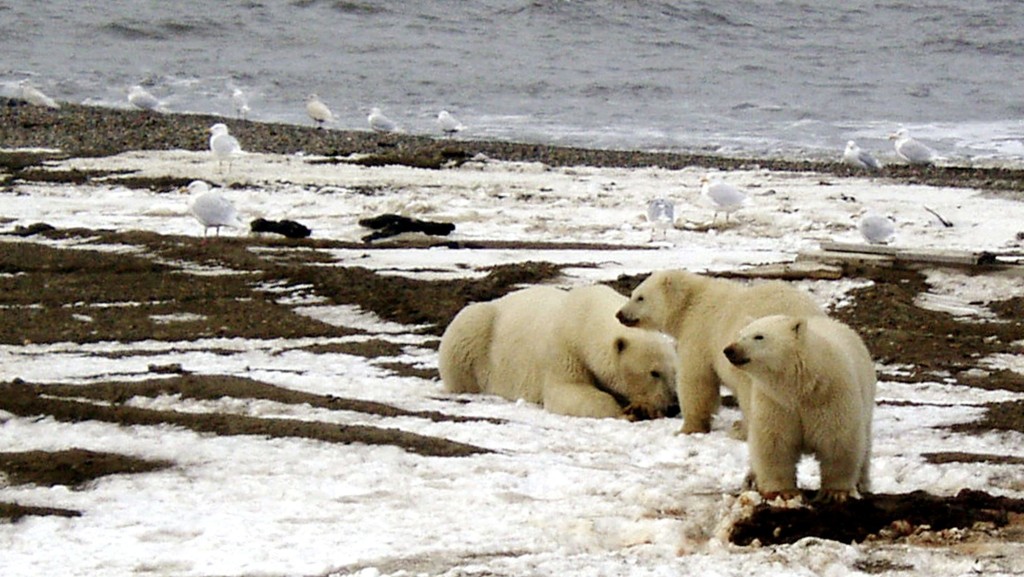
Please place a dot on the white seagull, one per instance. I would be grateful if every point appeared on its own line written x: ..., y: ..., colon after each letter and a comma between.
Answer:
x: 876, y: 229
x: 661, y: 213
x: 858, y: 158
x: 911, y: 150
x: 34, y: 96
x: 140, y: 98
x: 722, y: 197
x: 241, y: 103
x: 448, y: 123
x: 223, y: 146
x: 318, y: 111
x: 380, y: 123
x: 211, y: 209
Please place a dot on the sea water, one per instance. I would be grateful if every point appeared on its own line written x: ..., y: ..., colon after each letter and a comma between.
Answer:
x: 783, y: 78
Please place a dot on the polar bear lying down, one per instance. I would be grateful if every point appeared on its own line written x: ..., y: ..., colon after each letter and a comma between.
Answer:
x: 812, y: 391
x: 562, y: 349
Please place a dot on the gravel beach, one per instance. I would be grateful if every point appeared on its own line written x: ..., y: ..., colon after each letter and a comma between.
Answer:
x: 77, y: 130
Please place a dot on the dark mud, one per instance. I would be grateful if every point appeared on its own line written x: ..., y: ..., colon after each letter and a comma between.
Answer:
x: 72, y: 468
x: 28, y: 401
x: 913, y: 517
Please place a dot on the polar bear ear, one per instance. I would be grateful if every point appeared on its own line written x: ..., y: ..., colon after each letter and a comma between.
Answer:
x: 620, y: 344
x: 798, y: 327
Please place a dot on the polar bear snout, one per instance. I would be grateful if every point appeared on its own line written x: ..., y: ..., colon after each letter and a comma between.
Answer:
x: 625, y: 319
x: 735, y: 355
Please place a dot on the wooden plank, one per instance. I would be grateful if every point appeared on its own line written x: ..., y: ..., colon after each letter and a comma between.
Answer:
x: 879, y: 254
x: 798, y: 270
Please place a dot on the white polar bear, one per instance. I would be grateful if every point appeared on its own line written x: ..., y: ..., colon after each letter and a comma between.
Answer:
x: 563, y: 349
x: 813, y: 391
x: 703, y: 314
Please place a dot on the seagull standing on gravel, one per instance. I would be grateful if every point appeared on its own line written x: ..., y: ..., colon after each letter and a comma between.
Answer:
x: 318, y: 111
x: 241, y: 103
x: 211, y: 209
x: 661, y: 213
x: 448, y: 123
x: 858, y: 158
x: 911, y: 150
x: 140, y: 98
x: 223, y: 146
x: 876, y: 229
x: 722, y: 197
x: 34, y: 96
x: 380, y: 123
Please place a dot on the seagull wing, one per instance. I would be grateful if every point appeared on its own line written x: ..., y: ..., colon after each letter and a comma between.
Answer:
x: 868, y: 161
x: 212, y: 209
x: 915, y: 152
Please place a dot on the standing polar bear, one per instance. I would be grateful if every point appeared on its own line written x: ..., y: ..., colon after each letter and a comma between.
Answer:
x: 813, y: 391
x: 563, y: 349
x: 703, y: 314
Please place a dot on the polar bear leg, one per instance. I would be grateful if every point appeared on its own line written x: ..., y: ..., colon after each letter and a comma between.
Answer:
x: 774, y: 440
x: 698, y: 396
x: 579, y: 400
x: 841, y: 469
x: 739, y: 383
x: 864, y: 481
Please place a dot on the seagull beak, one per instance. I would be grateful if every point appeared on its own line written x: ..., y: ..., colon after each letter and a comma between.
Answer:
x: 893, y: 136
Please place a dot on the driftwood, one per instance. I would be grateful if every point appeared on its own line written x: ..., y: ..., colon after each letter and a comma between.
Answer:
x: 799, y: 270
x: 882, y: 255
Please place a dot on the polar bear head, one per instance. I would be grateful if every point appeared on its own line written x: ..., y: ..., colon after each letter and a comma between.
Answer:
x: 654, y: 302
x: 772, y: 349
x: 767, y: 345
x: 645, y: 375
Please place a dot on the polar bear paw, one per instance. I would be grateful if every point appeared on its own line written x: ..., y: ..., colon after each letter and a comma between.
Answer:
x: 835, y: 496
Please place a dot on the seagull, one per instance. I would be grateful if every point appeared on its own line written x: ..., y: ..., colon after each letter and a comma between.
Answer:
x: 241, y: 103
x: 211, y: 209
x: 876, y: 229
x: 722, y: 197
x: 661, y: 213
x: 911, y: 150
x: 223, y: 145
x: 858, y: 158
x: 318, y: 111
x: 448, y: 123
x: 34, y: 96
x: 380, y: 123
x: 140, y: 98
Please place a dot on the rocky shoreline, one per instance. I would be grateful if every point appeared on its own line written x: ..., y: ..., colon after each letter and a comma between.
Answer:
x: 77, y: 131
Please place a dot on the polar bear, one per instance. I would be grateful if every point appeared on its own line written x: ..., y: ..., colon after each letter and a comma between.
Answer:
x: 703, y: 314
x: 563, y: 349
x: 812, y: 391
